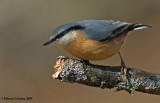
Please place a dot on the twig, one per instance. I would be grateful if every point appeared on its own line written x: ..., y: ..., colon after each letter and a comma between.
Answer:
x: 76, y: 71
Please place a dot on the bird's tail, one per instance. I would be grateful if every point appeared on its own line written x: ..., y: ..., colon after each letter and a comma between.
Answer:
x: 137, y: 27
x: 129, y: 27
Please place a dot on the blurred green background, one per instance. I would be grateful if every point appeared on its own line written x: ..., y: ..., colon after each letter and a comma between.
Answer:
x: 26, y: 67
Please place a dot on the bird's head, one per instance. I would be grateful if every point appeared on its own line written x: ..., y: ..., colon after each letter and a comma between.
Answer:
x: 63, y: 34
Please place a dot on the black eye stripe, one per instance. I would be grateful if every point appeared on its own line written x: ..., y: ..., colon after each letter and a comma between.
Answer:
x: 77, y: 27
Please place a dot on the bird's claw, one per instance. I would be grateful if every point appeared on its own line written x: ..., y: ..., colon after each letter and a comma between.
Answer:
x: 124, y: 73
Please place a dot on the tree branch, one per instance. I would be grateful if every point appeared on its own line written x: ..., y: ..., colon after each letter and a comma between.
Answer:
x: 75, y: 71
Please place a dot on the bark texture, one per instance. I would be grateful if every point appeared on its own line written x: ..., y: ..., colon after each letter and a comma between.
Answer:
x: 76, y: 71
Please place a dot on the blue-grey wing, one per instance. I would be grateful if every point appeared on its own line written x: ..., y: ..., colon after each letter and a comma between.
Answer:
x: 101, y: 30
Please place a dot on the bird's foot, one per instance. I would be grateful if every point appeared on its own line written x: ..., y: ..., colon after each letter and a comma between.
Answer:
x: 124, y: 72
x: 85, y: 61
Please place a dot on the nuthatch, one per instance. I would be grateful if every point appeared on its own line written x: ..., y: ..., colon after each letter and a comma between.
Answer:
x: 93, y: 39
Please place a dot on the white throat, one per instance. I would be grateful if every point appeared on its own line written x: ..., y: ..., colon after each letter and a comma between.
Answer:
x: 67, y: 38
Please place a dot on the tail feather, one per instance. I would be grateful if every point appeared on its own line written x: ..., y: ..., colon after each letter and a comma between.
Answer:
x: 129, y: 27
x: 137, y: 27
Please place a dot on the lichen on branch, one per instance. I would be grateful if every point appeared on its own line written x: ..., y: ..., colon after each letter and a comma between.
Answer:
x: 77, y: 71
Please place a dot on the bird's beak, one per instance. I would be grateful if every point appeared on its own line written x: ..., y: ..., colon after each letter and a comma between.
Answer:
x: 48, y: 42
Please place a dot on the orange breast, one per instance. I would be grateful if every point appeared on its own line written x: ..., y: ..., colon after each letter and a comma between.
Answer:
x: 87, y: 49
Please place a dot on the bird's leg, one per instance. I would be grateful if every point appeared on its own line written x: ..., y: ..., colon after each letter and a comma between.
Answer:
x: 123, y: 65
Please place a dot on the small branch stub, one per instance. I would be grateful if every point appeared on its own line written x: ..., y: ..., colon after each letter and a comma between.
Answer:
x: 58, y: 68
x: 76, y: 71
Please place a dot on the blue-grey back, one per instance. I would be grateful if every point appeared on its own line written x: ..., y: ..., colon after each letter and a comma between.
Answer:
x: 93, y: 29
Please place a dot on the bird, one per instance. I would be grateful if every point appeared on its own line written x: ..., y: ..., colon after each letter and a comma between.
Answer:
x: 92, y: 40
